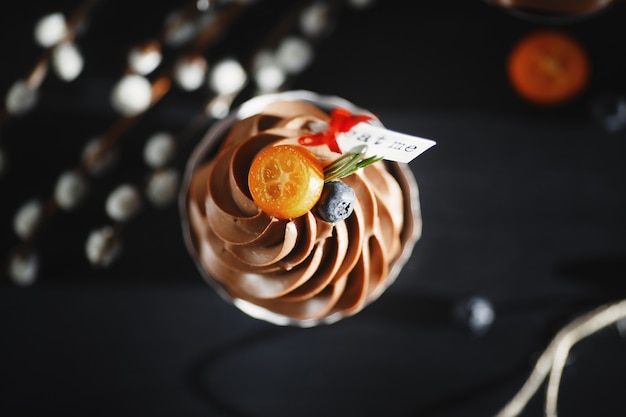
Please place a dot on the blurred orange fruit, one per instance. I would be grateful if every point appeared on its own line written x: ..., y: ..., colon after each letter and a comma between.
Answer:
x: 548, y: 67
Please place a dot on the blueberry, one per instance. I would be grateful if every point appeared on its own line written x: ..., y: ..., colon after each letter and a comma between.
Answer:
x: 475, y: 312
x: 336, y: 202
x: 609, y: 110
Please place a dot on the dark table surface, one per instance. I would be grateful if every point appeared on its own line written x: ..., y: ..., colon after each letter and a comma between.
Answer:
x: 522, y: 206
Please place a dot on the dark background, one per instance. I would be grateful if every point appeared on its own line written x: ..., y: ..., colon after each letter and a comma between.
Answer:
x: 522, y: 205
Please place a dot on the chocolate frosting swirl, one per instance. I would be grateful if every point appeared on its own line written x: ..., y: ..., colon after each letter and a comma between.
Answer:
x: 304, y: 269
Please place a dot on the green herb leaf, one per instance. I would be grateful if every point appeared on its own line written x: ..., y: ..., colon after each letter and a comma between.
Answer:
x: 349, y: 163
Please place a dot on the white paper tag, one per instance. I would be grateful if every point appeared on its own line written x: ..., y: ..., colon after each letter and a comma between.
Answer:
x: 390, y: 145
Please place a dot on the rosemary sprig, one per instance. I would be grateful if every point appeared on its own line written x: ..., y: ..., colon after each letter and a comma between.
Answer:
x: 349, y: 163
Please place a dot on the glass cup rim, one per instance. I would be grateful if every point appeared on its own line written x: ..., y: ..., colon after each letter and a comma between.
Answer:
x: 208, y: 145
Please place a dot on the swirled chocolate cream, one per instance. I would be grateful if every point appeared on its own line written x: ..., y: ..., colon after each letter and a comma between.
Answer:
x: 257, y: 237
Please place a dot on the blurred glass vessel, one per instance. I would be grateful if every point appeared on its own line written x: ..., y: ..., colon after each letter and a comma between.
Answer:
x: 302, y: 271
x: 554, y: 11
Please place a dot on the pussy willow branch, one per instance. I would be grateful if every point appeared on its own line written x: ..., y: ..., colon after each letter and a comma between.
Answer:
x: 159, y: 87
x: 552, y: 361
x: 37, y: 74
x: 162, y: 84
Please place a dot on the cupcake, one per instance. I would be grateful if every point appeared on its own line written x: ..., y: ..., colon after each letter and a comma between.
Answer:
x: 279, y: 226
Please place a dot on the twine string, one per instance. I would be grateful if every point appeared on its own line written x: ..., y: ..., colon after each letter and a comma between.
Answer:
x: 552, y: 361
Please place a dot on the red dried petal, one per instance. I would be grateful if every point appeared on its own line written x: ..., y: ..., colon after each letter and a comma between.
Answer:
x: 341, y: 121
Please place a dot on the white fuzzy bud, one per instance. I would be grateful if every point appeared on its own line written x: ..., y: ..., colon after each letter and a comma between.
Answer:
x: 98, y: 164
x: 102, y: 246
x: 360, y: 4
x: 162, y: 187
x: 294, y: 54
x: 145, y: 59
x: 132, y: 95
x: 23, y: 269
x: 313, y: 19
x: 219, y: 106
x: 159, y: 150
x: 50, y: 30
x: 203, y: 5
x: 70, y: 190
x: 27, y: 218
x: 190, y: 72
x: 182, y: 31
x: 269, y: 77
x: 67, y: 61
x: 123, y: 203
x: 227, y: 77
x: 21, y: 98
